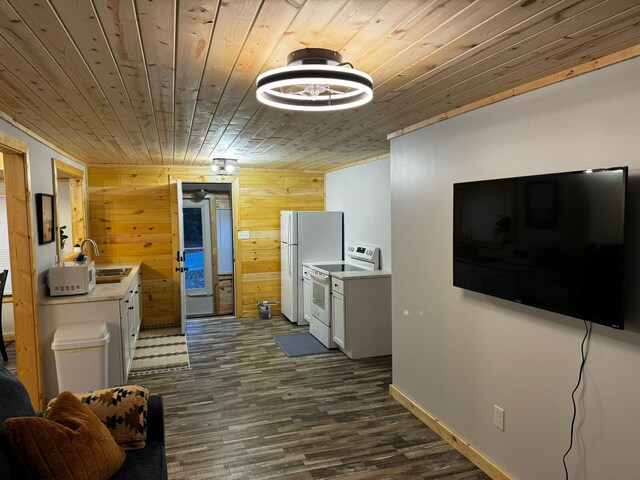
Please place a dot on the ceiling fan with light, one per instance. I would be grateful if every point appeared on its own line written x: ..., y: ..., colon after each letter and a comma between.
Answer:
x: 315, y: 79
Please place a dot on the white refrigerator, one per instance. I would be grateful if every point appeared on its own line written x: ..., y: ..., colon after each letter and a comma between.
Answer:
x: 305, y: 237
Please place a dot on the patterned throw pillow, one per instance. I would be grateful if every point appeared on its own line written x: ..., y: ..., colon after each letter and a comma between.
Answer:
x: 122, y: 409
x: 72, y: 444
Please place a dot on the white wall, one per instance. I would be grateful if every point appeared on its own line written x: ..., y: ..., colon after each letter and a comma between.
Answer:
x: 363, y: 193
x: 457, y: 353
x: 41, y: 182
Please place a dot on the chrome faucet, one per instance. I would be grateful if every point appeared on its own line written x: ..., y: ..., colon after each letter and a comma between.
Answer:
x: 92, y: 242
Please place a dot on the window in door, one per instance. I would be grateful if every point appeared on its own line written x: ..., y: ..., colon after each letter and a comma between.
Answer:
x: 195, y: 278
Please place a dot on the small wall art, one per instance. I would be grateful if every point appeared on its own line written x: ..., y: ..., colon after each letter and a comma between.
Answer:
x: 46, y: 218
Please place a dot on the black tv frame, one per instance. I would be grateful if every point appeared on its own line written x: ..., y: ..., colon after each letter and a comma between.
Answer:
x: 544, y: 219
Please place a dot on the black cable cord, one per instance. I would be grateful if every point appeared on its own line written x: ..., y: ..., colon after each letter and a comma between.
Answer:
x: 588, y: 327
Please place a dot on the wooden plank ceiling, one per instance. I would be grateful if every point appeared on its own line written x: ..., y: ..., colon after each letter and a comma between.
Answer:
x: 173, y: 83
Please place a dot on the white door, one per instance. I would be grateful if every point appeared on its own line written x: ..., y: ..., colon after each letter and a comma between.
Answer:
x: 289, y: 227
x: 289, y: 281
x: 180, y: 307
x: 196, y: 220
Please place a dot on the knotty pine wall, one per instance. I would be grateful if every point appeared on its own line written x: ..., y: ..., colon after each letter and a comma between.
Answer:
x: 130, y: 218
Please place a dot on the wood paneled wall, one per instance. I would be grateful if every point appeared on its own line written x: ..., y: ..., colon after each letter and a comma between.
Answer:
x: 129, y: 212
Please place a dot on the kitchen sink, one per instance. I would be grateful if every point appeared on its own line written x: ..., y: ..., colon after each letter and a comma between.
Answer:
x: 112, y: 272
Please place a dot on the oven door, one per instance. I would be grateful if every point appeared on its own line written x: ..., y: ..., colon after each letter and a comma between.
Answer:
x: 320, y: 297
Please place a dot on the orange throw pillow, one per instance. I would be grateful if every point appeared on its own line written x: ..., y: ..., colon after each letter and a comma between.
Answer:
x: 71, y: 444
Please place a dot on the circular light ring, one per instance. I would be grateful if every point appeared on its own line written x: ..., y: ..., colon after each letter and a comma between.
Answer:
x: 270, y: 84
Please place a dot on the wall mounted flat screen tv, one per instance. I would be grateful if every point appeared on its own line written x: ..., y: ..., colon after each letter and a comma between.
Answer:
x: 554, y: 241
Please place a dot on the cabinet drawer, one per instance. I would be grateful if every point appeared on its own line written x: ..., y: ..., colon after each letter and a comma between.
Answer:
x: 337, y: 285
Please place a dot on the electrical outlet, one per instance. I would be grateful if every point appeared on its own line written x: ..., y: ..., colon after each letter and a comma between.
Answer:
x: 498, y: 417
x: 243, y: 234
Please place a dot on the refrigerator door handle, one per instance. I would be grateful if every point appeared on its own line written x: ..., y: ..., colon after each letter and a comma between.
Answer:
x: 289, y: 231
x: 289, y: 260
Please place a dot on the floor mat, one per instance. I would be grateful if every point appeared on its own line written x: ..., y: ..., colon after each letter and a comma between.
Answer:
x: 160, y: 350
x: 299, y: 344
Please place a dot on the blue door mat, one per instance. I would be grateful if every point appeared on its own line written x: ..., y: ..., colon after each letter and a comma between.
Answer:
x: 299, y: 344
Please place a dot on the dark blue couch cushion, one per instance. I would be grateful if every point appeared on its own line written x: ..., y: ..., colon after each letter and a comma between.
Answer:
x: 148, y: 462
x: 14, y: 402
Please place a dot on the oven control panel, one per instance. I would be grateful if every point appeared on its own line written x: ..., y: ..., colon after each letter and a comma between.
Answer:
x: 367, y: 253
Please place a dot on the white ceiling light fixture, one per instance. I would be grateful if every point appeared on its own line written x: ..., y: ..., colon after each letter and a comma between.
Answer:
x: 315, y: 79
x: 225, y: 166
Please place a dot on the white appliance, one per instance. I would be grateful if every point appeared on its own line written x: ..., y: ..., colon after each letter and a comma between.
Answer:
x: 317, y: 277
x: 72, y: 278
x: 305, y: 237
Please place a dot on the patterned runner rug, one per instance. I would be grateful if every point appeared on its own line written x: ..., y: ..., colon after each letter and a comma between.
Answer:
x: 160, y: 350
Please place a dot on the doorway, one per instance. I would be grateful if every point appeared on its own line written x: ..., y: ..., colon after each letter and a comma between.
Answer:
x: 208, y: 249
x: 22, y: 264
x: 69, y: 201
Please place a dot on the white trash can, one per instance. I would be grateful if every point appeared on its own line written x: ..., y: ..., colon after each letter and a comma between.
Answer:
x: 82, y: 356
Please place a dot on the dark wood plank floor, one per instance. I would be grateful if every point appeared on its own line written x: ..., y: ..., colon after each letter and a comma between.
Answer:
x: 246, y: 411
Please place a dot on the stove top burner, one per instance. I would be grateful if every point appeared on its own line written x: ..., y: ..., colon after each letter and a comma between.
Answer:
x: 340, y: 267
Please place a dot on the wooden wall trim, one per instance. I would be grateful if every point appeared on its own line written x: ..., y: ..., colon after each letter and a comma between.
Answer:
x: 587, y: 67
x: 66, y: 168
x: 12, y: 143
x: 23, y: 274
x: 457, y: 442
x: 213, y: 224
x: 238, y: 304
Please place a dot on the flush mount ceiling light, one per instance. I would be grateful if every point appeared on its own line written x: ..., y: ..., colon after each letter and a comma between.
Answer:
x: 315, y: 79
x: 225, y: 166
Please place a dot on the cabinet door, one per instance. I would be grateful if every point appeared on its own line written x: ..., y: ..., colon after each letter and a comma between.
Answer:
x: 139, y: 301
x: 338, y: 319
x: 308, y: 299
x: 127, y: 354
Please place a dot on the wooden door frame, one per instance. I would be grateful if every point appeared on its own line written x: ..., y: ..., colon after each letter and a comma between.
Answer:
x: 23, y: 265
x: 78, y: 212
x: 237, y: 252
x: 213, y: 222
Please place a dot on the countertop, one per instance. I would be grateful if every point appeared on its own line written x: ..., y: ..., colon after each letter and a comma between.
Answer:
x: 101, y: 292
x: 354, y: 274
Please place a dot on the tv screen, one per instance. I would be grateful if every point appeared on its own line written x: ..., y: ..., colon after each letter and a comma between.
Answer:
x: 554, y: 241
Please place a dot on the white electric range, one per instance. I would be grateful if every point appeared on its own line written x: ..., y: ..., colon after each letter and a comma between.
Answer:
x: 317, y: 279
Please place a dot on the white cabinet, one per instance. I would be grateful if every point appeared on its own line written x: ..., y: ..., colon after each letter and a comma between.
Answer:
x: 116, y: 304
x: 337, y: 315
x: 361, y: 314
x: 130, y: 324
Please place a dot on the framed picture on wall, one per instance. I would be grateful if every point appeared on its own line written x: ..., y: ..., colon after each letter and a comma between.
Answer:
x: 45, y: 217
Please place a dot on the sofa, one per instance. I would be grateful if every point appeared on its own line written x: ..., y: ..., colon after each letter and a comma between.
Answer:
x: 145, y: 463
